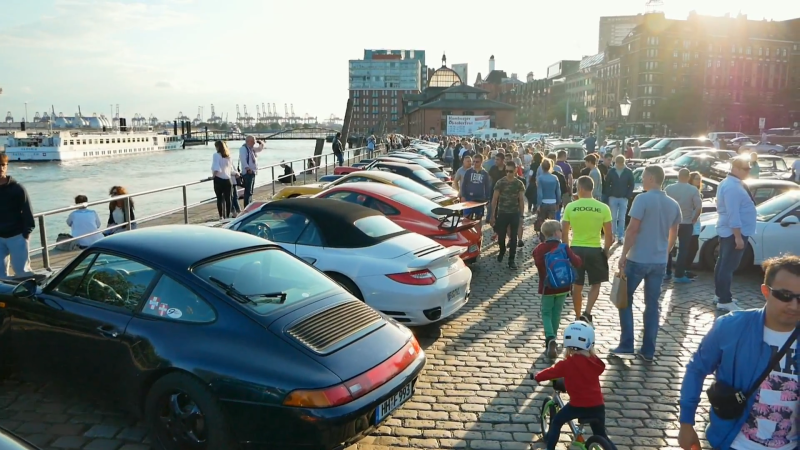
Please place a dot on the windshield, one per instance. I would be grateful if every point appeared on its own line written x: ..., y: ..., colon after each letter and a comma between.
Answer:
x: 637, y: 175
x: 413, y: 186
x: 426, y: 163
x: 773, y: 164
x: 661, y: 144
x: 377, y: 226
x: 684, y: 160
x: 267, y: 271
x: 773, y: 207
x: 424, y: 175
x: 650, y: 143
x: 417, y: 203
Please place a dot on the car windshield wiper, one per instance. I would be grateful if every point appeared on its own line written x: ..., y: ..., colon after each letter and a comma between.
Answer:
x: 245, y: 298
x: 231, y: 291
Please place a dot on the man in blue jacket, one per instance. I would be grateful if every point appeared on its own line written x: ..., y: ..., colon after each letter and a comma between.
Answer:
x: 619, y: 188
x: 738, y: 349
x: 476, y: 187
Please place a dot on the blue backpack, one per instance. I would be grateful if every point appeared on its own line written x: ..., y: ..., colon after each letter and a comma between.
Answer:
x: 560, y: 273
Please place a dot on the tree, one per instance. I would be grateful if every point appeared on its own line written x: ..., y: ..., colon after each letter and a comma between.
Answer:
x: 559, y: 112
x: 684, y: 112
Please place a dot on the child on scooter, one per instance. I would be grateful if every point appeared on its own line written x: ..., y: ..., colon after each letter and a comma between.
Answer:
x: 581, y: 370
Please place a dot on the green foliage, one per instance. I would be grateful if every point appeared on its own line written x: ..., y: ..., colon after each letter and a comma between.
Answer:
x: 684, y: 112
x: 559, y: 112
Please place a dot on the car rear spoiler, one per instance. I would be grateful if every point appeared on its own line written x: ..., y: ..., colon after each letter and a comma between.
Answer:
x: 426, y: 261
x: 454, y: 214
x: 636, y: 162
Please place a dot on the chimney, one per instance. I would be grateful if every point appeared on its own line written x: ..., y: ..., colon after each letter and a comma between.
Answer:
x: 491, y: 64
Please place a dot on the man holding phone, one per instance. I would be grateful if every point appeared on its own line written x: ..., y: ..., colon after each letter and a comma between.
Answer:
x: 248, y: 163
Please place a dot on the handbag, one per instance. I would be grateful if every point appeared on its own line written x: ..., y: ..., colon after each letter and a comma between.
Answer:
x: 728, y: 402
x: 619, y: 291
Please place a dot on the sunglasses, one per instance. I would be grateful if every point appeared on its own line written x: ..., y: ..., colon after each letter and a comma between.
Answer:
x: 783, y: 295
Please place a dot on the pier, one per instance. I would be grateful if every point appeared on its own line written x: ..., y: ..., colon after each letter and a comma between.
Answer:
x: 46, y: 257
x: 311, y: 133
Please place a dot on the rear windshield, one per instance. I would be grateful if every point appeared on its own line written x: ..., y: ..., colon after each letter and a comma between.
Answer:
x: 427, y: 163
x: 377, y: 226
x: 424, y: 175
x: 650, y: 143
x: 267, y: 271
x: 413, y: 186
x: 417, y: 203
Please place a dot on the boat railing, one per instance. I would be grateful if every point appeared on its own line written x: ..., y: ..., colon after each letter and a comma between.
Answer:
x: 323, y: 165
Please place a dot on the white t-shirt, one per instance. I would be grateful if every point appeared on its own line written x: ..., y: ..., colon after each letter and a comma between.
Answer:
x: 85, y: 221
x: 796, y: 168
x: 772, y: 421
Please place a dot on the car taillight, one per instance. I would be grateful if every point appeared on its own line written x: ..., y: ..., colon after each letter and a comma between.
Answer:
x: 359, y: 386
x: 446, y: 237
x: 422, y: 277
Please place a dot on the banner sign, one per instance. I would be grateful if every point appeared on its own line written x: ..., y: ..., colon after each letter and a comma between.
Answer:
x: 466, y: 125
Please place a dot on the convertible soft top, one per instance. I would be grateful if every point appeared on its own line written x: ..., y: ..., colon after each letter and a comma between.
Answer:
x: 334, y: 219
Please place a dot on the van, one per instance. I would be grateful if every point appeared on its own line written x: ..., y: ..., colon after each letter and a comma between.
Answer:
x: 725, y: 135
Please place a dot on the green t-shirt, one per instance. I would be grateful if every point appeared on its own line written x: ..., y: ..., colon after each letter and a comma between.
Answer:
x: 508, y: 199
x: 586, y: 217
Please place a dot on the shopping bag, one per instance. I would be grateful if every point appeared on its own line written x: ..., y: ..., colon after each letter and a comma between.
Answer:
x: 619, y: 291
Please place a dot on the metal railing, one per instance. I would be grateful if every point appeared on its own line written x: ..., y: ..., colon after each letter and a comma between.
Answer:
x: 322, y: 162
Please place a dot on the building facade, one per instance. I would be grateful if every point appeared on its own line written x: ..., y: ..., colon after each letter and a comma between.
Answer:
x: 614, y: 29
x: 377, y: 85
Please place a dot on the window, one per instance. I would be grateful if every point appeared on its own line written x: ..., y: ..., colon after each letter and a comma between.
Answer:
x: 275, y: 225
x: 173, y: 301
x: 110, y: 279
x: 377, y: 226
x: 310, y: 236
x: 269, y: 271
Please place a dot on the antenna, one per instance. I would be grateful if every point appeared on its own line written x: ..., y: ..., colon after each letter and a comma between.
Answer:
x: 654, y: 6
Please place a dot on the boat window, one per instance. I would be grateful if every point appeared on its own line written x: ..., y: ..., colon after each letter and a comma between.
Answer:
x: 71, y: 142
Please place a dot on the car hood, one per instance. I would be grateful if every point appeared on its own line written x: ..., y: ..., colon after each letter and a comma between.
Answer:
x: 341, y: 333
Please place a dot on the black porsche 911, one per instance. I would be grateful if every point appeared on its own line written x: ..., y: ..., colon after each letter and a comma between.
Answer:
x: 216, y: 338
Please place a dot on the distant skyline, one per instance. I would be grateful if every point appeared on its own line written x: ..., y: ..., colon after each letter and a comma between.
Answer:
x: 164, y: 56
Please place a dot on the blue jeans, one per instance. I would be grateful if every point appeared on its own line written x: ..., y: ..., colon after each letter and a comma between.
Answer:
x: 619, y: 208
x: 728, y: 261
x: 249, y: 180
x: 235, y: 199
x: 653, y: 277
x: 340, y: 159
x: 15, y: 248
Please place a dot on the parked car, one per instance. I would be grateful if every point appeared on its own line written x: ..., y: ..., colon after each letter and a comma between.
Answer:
x: 377, y: 176
x: 777, y: 228
x: 709, y: 189
x: 10, y: 441
x: 416, y: 173
x: 426, y: 163
x: 575, y: 154
x: 700, y: 162
x: 414, y: 213
x: 667, y: 145
x: 196, y: 327
x: 406, y: 276
x: 677, y: 153
x: 740, y: 141
x: 761, y: 190
x: 771, y: 167
x: 763, y: 147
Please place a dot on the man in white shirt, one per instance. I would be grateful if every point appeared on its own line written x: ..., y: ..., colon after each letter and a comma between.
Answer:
x: 248, y: 163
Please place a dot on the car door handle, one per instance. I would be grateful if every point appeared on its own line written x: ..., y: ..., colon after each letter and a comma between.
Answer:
x: 108, y: 331
x: 309, y: 260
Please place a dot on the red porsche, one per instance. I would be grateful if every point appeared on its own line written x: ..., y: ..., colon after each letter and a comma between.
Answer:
x: 415, y: 213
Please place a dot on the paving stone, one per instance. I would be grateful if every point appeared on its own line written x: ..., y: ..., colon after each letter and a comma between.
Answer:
x: 102, y: 431
x: 103, y: 444
x: 69, y: 442
x: 132, y: 434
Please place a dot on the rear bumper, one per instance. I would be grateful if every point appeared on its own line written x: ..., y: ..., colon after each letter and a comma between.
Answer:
x: 267, y: 426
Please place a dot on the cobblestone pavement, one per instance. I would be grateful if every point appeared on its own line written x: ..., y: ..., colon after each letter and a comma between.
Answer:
x: 475, y: 392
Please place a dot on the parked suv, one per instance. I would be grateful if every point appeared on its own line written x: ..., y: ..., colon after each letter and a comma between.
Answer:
x: 667, y: 145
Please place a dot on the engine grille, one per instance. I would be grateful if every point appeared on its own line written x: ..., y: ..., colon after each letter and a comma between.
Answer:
x: 427, y: 250
x: 325, y: 329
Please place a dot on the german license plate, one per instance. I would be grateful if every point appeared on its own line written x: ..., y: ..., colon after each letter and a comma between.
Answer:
x: 453, y: 294
x: 393, y: 402
x: 473, y: 248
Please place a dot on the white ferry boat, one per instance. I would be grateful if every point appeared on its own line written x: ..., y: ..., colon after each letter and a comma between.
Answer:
x: 77, y: 144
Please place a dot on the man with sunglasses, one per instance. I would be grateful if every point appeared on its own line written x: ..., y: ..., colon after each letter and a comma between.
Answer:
x: 508, y: 203
x: 738, y: 350
x: 736, y: 223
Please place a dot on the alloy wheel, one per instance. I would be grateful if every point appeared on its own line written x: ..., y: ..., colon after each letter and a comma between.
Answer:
x: 181, y: 421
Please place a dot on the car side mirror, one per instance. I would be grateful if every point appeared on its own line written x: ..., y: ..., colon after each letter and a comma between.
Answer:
x: 26, y: 289
x: 789, y: 220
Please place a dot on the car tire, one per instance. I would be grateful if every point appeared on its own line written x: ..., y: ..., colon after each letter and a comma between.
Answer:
x: 186, y: 393
x: 346, y: 283
x: 772, y: 152
x: 709, y: 252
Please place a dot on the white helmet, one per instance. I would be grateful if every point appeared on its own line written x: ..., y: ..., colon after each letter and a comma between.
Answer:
x: 579, y: 335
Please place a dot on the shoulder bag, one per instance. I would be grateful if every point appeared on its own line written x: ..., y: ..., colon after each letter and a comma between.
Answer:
x: 728, y: 402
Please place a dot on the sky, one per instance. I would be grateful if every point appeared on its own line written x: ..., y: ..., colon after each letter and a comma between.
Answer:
x: 162, y: 57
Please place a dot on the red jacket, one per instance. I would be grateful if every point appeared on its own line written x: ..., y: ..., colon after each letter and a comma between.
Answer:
x: 539, y: 254
x: 581, y: 376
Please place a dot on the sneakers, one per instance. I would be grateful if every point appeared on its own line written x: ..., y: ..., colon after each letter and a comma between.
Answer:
x: 645, y: 357
x: 520, y: 243
x: 691, y: 275
x: 667, y: 277
x: 731, y: 306
x: 621, y: 352
x: 619, y: 241
x: 586, y: 317
x: 512, y: 265
x: 500, y: 257
x: 682, y: 280
x: 552, y: 349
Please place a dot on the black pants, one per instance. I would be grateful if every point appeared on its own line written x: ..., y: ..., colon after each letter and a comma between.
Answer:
x: 684, y: 243
x: 501, y: 226
x: 222, y: 189
x: 569, y: 412
x: 694, y: 246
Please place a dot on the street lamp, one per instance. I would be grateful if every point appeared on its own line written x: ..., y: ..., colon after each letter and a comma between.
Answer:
x: 574, y: 116
x: 624, y: 110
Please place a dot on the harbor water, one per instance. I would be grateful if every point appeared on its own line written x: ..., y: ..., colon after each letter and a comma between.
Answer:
x: 54, y: 185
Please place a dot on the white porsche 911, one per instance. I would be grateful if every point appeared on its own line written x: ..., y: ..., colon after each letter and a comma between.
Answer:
x: 406, y: 276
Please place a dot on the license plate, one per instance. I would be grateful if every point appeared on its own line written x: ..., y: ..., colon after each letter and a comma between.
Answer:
x: 472, y: 249
x: 393, y: 402
x: 453, y: 294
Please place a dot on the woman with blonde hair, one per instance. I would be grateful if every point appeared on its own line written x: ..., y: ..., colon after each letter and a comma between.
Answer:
x: 223, y: 174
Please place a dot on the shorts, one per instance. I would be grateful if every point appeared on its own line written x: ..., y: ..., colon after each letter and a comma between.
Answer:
x: 478, y: 212
x: 594, y: 264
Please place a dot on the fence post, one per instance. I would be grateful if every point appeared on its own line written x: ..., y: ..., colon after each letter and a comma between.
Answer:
x: 186, y: 205
x: 43, y: 240
x: 326, y: 164
x: 273, y: 180
x: 128, y: 221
